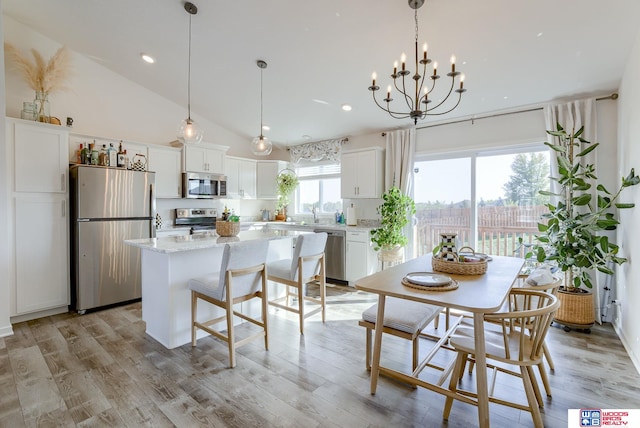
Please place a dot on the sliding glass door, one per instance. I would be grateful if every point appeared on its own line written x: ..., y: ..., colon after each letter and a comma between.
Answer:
x: 489, y: 199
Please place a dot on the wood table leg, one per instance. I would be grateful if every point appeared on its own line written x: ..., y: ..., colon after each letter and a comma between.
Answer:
x: 377, y: 344
x: 481, y: 371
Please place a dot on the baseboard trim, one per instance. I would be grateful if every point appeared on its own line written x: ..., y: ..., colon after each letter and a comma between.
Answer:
x: 6, y: 331
x: 627, y: 347
x: 39, y: 314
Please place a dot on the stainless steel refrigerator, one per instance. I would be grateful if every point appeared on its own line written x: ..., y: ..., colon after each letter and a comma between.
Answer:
x: 108, y: 205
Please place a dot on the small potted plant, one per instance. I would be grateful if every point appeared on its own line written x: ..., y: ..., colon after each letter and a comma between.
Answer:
x: 395, y: 212
x: 286, y: 182
x: 571, y: 238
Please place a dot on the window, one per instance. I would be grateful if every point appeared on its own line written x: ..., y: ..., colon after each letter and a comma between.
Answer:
x: 319, y: 186
x: 489, y: 199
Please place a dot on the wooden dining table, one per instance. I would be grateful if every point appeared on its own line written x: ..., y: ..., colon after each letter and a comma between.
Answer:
x: 476, y: 294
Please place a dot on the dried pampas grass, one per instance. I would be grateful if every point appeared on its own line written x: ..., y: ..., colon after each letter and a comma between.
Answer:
x: 40, y: 75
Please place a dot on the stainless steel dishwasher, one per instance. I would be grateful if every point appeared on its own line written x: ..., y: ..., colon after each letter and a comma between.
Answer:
x: 334, y: 253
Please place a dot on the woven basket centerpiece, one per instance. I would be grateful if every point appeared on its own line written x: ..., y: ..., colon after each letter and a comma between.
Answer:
x: 227, y: 228
x: 467, y: 263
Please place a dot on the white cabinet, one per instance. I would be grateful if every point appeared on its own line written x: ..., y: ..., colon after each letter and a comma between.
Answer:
x: 361, y: 258
x: 362, y: 173
x: 39, y: 256
x: 40, y: 158
x: 41, y: 252
x: 266, y: 174
x: 166, y: 162
x: 241, y: 178
x: 203, y: 158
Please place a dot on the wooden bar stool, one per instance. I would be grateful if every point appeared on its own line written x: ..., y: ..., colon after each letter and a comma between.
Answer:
x: 306, y: 265
x: 242, y: 277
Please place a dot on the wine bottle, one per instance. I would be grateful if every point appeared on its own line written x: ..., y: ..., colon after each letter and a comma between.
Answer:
x: 121, y: 156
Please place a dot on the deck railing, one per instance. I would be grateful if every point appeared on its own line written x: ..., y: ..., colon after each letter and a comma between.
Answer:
x: 499, y: 228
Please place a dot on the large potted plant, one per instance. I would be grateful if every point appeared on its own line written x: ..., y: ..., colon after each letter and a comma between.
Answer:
x: 573, y: 238
x: 395, y: 212
x: 286, y: 183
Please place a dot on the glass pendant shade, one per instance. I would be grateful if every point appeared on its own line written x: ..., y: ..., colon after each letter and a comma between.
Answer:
x: 261, y: 146
x: 189, y: 132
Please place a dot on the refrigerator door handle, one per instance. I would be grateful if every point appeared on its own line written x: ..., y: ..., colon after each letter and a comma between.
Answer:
x: 152, y: 210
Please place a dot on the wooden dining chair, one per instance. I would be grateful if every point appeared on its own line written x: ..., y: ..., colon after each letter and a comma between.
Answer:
x: 513, y: 338
x: 242, y: 276
x: 306, y: 265
x: 517, y: 302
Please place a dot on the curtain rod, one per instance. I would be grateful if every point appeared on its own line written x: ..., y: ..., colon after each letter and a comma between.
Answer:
x: 613, y: 96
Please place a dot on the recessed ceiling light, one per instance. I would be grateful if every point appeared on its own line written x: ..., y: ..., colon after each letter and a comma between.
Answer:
x: 539, y: 34
x: 319, y: 101
x: 266, y: 127
x: 306, y: 137
x: 346, y: 107
x: 505, y: 97
x: 147, y: 58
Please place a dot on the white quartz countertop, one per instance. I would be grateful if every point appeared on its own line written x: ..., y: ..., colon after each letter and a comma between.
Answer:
x: 174, y: 244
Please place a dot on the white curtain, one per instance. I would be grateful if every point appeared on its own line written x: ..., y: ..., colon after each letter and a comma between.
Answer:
x: 572, y: 116
x: 401, y: 148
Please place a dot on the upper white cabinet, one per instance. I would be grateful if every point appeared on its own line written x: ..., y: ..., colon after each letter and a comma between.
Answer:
x: 39, y: 256
x: 266, y: 174
x: 166, y: 162
x: 203, y: 158
x: 40, y: 157
x: 241, y: 178
x: 362, y: 173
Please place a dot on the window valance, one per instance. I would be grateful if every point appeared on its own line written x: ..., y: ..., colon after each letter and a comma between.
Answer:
x: 328, y: 150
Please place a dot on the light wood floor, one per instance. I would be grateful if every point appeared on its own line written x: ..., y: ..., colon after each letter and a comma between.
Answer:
x: 100, y: 369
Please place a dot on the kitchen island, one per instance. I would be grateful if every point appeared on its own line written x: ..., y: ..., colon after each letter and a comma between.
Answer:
x: 168, y: 264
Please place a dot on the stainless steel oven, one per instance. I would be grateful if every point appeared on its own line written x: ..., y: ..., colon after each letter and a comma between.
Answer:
x: 201, y: 220
x: 197, y: 185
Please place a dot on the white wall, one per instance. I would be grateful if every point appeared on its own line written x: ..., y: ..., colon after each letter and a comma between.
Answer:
x: 627, y: 318
x: 5, y: 325
x: 103, y: 103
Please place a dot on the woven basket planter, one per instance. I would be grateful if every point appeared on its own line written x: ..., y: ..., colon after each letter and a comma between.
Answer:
x: 227, y: 228
x: 576, y: 308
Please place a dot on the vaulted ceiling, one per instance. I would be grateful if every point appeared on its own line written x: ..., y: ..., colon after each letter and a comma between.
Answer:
x: 321, y: 53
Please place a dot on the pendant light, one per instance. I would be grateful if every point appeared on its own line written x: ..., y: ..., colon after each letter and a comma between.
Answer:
x: 261, y: 146
x: 189, y: 132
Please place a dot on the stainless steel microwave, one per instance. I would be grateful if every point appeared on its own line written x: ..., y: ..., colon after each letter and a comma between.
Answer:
x: 197, y: 185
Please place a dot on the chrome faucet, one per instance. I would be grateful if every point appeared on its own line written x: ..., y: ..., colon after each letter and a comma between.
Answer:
x: 314, y: 211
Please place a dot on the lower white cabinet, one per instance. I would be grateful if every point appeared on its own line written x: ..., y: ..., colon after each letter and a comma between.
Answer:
x: 361, y: 258
x: 166, y: 162
x: 41, y: 252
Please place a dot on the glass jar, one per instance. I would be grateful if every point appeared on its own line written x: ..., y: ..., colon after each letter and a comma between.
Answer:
x: 41, y: 106
x: 28, y: 111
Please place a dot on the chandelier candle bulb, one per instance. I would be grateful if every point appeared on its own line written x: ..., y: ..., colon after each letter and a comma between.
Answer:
x: 453, y: 63
x: 403, y: 60
x: 424, y: 48
x: 373, y: 77
x: 435, y: 69
x: 461, y: 81
x: 395, y: 68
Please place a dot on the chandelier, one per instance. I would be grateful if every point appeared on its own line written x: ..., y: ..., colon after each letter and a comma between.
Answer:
x: 189, y: 131
x: 418, y: 102
x: 261, y: 146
